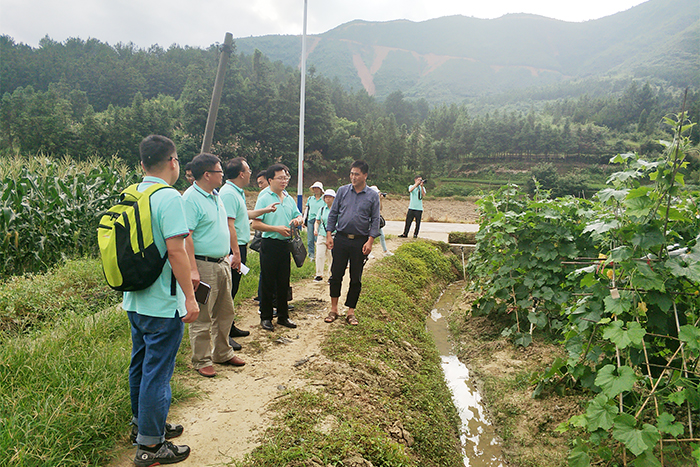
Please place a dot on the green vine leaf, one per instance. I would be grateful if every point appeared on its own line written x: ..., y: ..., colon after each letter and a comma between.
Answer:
x: 614, y: 333
x: 646, y: 278
x: 637, y: 441
x: 647, y: 459
x: 601, y: 413
x: 666, y: 425
x: 578, y: 457
x: 636, y: 333
x: 613, y: 381
x: 601, y: 226
x: 639, y: 207
x: 691, y: 336
x: 677, y: 397
x: 617, y: 306
x: 685, y: 266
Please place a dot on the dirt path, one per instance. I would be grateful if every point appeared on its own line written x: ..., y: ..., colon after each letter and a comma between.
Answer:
x: 225, y: 422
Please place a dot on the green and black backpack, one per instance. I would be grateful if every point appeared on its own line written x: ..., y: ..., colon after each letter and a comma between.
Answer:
x: 130, y: 259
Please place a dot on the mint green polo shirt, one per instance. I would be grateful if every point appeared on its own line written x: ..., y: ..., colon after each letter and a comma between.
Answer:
x: 416, y: 202
x: 167, y: 221
x: 207, y: 220
x: 322, y: 214
x: 233, y: 198
x: 286, y: 211
x: 314, y: 205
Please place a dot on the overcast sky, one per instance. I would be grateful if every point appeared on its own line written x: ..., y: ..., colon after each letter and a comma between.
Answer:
x: 200, y: 23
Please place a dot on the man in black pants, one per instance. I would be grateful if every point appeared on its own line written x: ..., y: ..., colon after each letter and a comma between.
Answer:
x: 237, y: 173
x: 354, y: 217
x: 415, y: 206
x: 274, y: 251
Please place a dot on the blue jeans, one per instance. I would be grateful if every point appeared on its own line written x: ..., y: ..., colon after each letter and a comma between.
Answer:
x: 311, y: 238
x: 155, y: 342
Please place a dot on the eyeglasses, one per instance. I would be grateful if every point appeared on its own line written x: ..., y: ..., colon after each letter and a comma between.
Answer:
x: 215, y: 171
x: 175, y: 159
x: 282, y: 179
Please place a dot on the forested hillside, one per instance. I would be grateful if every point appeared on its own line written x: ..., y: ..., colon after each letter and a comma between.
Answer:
x: 454, y: 58
x: 85, y: 97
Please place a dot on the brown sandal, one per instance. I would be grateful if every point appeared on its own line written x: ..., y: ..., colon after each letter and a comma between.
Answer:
x: 351, y: 320
x: 332, y: 316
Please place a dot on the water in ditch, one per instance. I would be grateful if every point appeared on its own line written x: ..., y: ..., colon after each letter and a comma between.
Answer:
x: 480, y: 445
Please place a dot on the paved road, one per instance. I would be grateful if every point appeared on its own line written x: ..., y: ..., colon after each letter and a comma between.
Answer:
x: 433, y: 230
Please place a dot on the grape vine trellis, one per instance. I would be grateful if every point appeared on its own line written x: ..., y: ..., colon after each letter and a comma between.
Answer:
x: 627, y: 316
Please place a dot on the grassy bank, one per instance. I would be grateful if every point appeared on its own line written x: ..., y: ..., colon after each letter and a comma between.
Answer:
x: 383, y: 397
x: 64, y: 355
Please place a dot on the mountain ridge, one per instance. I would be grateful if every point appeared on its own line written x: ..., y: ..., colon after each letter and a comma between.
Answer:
x: 457, y: 57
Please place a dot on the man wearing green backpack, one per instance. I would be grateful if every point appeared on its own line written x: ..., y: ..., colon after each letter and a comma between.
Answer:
x: 157, y: 313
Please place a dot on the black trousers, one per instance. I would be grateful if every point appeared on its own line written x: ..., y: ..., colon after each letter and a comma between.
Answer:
x: 275, y: 269
x: 346, y: 250
x: 236, y: 279
x: 410, y: 215
x: 235, y: 275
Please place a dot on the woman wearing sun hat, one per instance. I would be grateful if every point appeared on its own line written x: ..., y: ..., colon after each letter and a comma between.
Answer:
x: 322, y: 253
x: 313, y: 204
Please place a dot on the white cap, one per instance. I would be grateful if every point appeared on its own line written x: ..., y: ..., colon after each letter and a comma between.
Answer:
x: 316, y: 185
x: 329, y: 192
x: 375, y: 188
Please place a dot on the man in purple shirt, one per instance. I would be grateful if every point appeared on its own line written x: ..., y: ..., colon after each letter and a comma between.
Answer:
x: 355, y: 218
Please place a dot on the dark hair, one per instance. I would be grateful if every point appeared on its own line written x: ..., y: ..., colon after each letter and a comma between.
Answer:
x: 273, y: 169
x: 261, y: 174
x: 188, y: 166
x: 155, y: 149
x: 362, y: 165
x: 234, y: 167
x: 202, y: 163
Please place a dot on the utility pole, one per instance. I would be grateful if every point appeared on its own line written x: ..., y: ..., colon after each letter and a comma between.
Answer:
x: 216, y: 95
x: 302, y: 110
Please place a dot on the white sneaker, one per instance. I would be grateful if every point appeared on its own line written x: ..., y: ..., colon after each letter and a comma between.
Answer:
x: 371, y: 256
x: 389, y: 253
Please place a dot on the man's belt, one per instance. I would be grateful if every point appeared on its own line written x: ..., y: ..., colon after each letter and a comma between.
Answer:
x: 353, y: 236
x: 209, y: 259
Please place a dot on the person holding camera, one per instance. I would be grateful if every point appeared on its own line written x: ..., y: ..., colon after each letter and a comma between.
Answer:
x: 415, y: 206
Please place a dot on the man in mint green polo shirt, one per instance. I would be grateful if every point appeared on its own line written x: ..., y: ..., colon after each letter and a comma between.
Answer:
x: 415, y: 206
x: 237, y: 175
x: 274, y: 252
x: 208, y: 248
x: 157, y: 314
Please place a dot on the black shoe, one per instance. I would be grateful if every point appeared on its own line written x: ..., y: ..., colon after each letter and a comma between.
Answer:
x: 403, y: 236
x: 234, y: 345
x: 287, y: 323
x: 266, y: 324
x: 415, y: 236
x: 171, y: 431
x: 235, y: 332
x: 290, y: 307
x: 167, y: 453
x: 256, y: 299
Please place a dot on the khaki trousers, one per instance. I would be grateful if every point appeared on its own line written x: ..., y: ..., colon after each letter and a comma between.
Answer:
x: 209, y: 334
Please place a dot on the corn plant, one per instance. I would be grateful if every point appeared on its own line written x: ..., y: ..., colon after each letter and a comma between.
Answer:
x: 50, y: 208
